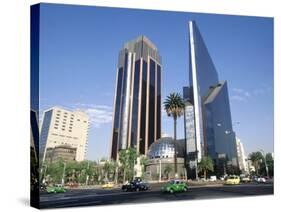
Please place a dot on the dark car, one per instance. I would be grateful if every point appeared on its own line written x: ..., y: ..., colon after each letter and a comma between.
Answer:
x: 43, y: 188
x: 135, y: 185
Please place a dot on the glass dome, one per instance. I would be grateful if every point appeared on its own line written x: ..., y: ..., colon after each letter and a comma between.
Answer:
x: 164, y: 148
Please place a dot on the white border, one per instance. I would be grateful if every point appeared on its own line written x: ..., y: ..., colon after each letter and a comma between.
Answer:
x: 14, y: 88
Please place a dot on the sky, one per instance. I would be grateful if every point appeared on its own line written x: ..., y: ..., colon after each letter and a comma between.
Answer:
x: 79, y: 48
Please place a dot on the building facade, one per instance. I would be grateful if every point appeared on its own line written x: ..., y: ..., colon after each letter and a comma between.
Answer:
x: 241, y: 157
x: 34, y: 135
x: 63, y: 152
x: 208, y: 124
x: 137, y: 103
x: 161, y: 159
x: 63, y: 127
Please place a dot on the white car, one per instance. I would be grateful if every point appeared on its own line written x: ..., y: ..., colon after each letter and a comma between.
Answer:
x: 213, y: 178
x: 260, y: 180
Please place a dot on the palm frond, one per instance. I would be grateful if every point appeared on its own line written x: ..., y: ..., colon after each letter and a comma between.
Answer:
x: 174, y: 105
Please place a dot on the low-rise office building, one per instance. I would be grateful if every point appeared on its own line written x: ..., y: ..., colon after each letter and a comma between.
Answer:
x: 63, y: 152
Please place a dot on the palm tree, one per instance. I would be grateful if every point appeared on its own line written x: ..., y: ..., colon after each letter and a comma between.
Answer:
x: 256, y: 157
x: 174, y: 107
x: 206, y: 164
x: 107, y: 168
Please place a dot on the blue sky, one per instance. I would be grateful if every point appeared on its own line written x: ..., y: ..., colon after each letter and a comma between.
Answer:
x: 79, y: 48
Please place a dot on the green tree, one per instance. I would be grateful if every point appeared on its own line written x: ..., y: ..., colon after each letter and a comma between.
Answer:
x: 256, y: 158
x: 143, y: 162
x: 270, y: 164
x: 108, y: 168
x: 127, y: 158
x: 206, y: 164
x: 55, y: 171
x: 167, y: 171
x: 174, y: 106
x: 70, y: 171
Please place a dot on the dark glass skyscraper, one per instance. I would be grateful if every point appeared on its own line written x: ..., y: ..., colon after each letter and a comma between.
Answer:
x: 137, y: 103
x: 207, y: 114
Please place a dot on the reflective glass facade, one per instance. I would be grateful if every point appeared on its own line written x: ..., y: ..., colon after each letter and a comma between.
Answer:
x: 134, y: 131
x: 190, y: 128
x: 165, y: 148
x: 44, y: 132
x: 220, y: 136
x: 137, y: 115
x: 158, y: 117
x: 125, y: 101
x: 34, y: 131
x: 212, y: 118
x: 143, y: 108
x: 117, y: 111
x: 151, y: 121
x: 206, y: 74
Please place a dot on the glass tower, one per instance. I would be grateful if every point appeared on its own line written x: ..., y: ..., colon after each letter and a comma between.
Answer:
x: 208, y: 125
x: 137, y: 104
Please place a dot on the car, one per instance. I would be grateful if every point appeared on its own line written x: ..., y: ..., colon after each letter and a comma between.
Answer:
x: 213, y: 178
x: 245, y: 179
x: 108, y: 185
x: 43, y: 187
x: 223, y: 177
x: 174, y: 186
x: 232, y: 180
x: 260, y: 180
x: 135, y: 185
x: 56, y: 189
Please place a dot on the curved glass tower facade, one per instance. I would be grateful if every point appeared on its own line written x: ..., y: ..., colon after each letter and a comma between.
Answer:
x: 137, y: 104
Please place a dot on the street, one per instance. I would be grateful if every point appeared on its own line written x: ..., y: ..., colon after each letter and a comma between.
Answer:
x: 91, y: 197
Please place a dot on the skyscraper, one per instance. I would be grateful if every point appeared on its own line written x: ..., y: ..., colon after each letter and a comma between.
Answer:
x: 137, y: 103
x: 63, y: 127
x: 207, y: 113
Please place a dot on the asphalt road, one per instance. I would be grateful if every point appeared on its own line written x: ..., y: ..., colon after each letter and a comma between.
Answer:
x: 90, y: 197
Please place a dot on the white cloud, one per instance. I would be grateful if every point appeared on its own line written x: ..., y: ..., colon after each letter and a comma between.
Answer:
x: 238, y: 98
x: 99, y: 114
x: 259, y: 91
x: 240, y: 94
x: 238, y: 90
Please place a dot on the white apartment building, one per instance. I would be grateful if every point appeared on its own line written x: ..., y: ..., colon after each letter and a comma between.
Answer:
x: 63, y: 127
x: 241, y: 156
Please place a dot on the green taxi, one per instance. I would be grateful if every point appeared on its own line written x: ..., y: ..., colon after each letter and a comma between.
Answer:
x: 56, y: 189
x: 174, y: 186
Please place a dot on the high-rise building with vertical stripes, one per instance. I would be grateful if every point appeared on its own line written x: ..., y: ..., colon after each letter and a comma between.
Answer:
x: 137, y: 103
